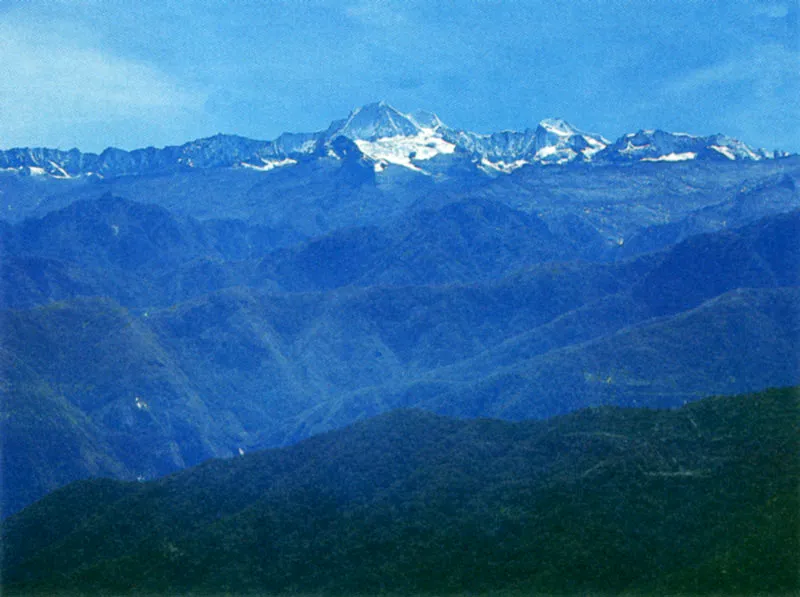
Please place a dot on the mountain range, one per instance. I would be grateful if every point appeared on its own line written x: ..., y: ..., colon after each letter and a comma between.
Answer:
x: 385, y: 138
x: 161, y: 307
x: 203, y: 342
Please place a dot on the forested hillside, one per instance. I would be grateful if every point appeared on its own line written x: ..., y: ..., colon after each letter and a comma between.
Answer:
x: 699, y: 500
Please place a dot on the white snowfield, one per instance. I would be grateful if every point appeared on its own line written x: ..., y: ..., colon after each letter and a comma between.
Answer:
x: 726, y: 151
x: 267, y: 165
x: 553, y: 154
x: 405, y: 150
x: 501, y: 166
x: 672, y: 157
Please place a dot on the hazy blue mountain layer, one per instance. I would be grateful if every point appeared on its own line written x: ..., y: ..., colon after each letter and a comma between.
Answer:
x: 143, y: 255
x: 95, y: 387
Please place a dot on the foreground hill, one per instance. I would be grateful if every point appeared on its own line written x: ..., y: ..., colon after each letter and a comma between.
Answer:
x: 693, y: 501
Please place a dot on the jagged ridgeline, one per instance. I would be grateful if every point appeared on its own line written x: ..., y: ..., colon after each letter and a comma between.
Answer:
x: 362, y: 168
x: 415, y: 138
x: 698, y: 500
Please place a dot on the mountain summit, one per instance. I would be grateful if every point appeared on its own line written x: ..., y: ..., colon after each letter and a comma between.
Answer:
x: 375, y: 121
x: 557, y: 141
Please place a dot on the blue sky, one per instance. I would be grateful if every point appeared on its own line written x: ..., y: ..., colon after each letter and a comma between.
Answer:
x: 94, y: 73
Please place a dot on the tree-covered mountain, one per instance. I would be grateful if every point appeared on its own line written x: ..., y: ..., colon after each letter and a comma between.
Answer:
x: 143, y: 255
x: 698, y: 500
x: 362, y: 329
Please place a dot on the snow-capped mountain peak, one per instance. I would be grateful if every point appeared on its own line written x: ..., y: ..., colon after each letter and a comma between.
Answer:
x: 558, y: 142
x: 376, y: 121
x: 386, y: 137
x: 559, y: 127
x: 660, y: 146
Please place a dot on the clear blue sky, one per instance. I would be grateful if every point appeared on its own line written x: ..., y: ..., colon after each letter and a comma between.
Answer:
x: 94, y: 73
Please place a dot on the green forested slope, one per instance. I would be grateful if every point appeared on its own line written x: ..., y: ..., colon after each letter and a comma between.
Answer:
x: 703, y: 499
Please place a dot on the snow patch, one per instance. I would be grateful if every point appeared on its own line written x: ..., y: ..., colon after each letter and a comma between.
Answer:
x: 60, y: 170
x: 267, y: 165
x: 595, y: 146
x: 37, y: 171
x: 552, y: 154
x: 750, y: 152
x: 546, y: 152
x: 631, y: 148
x: 726, y: 151
x: 504, y: 167
x: 672, y: 157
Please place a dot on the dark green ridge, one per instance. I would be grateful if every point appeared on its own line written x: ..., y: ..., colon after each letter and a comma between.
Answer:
x: 698, y: 500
